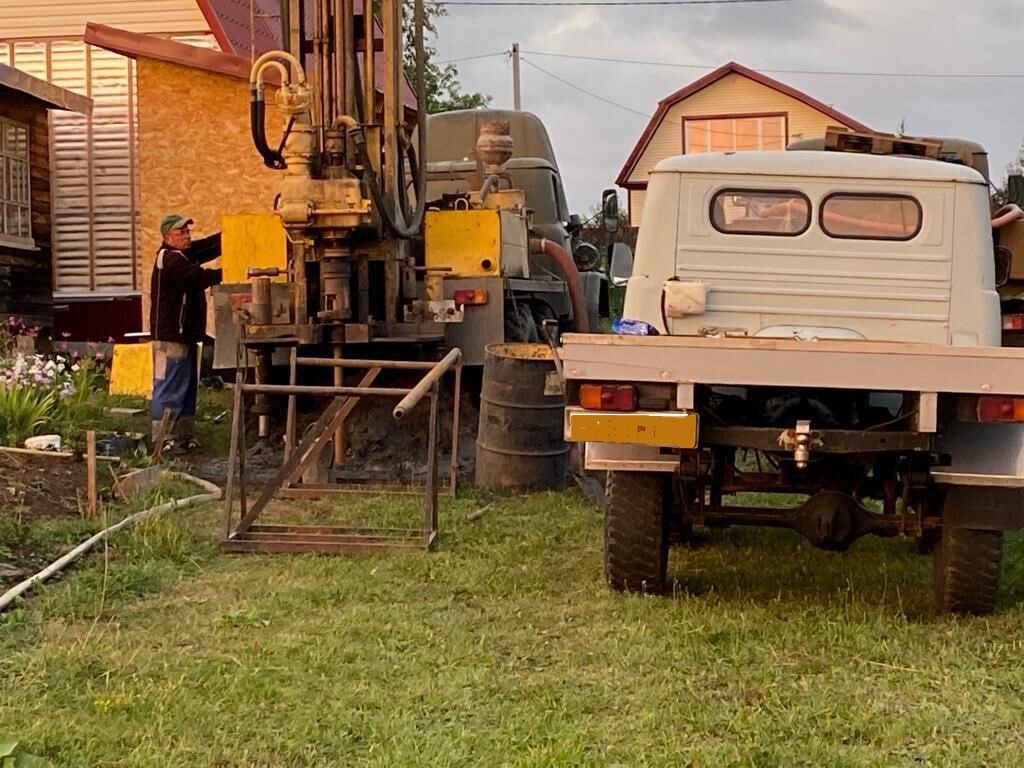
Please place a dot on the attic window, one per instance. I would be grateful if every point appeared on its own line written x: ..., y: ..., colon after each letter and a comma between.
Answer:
x: 15, y: 205
x: 735, y: 133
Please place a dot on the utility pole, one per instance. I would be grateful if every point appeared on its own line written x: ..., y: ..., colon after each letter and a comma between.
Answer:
x: 515, y: 77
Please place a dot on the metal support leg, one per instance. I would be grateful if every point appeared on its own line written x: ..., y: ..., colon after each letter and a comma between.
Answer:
x: 430, y: 520
x: 456, y: 412
x: 289, y: 430
x: 236, y: 418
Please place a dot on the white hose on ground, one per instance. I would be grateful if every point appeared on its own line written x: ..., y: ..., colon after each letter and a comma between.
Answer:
x: 213, y: 493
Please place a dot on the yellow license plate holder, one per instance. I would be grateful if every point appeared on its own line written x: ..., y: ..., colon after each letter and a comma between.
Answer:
x: 665, y: 430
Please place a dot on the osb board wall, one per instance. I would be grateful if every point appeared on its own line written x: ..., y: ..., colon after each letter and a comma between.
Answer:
x: 196, y: 155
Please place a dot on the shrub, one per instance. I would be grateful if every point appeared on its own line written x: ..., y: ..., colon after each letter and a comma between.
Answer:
x: 24, y: 410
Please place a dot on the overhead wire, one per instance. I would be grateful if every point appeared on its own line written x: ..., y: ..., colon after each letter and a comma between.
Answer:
x: 595, y: 3
x: 584, y: 90
x: 768, y: 70
x: 775, y: 70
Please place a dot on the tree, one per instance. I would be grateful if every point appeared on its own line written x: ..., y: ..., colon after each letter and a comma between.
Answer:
x: 444, y: 92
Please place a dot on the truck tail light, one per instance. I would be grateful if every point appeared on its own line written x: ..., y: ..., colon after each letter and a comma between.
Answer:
x: 604, y: 397
x: 992, y: 408
x: 470, y: 297
x: 1013, y: 322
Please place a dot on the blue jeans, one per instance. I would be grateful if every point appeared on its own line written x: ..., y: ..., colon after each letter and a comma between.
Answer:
x: 175, y: 383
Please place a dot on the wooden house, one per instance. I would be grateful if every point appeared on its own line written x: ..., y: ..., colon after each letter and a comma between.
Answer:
x: 732, y: 109
x: 26, y: 214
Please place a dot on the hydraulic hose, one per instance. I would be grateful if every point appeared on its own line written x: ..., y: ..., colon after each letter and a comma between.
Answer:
x: 257, y: 121
x: 577, y: 297
x: 397, y: 225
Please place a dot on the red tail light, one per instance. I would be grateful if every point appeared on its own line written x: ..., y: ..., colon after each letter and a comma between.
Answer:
x: 474, y: 297
x: 993, y: 408
x: 1013, y: 322
x: 603, y: 397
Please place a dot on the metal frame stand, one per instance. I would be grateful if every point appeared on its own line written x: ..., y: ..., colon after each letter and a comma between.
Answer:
x: 247, y: 536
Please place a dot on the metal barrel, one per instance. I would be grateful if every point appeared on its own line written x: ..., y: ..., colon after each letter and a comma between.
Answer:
x: 520, y: 443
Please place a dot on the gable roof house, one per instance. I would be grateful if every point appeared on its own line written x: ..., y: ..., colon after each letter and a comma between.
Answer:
x: 732, y: 109
x: 169, y: 133
x: 97, y: 222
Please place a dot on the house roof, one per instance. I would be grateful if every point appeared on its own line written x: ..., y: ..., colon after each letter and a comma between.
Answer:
x: 47, y: 93
x: 135, y: 44
x: 229, y: 22
x: 729, y: 68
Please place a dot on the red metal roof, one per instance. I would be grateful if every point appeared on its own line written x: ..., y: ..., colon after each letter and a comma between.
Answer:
x: 229, y: 21
x: 713, y: 77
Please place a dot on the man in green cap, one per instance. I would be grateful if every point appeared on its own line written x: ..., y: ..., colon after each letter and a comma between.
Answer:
x: 177, y: 322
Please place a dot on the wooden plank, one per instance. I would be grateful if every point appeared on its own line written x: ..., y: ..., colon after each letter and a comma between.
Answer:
x: 90, y: 473
x: 785, y: 363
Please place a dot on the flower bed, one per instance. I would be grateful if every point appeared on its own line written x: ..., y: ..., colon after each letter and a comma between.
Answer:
x: 42, y: 393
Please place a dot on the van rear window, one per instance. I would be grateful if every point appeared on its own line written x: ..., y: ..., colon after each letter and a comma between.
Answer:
x: 760, y: 212
x: 871, y: 217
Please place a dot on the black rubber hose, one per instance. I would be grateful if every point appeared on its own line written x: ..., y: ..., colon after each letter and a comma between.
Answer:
x: 402, y: 230
x: 257, y: 122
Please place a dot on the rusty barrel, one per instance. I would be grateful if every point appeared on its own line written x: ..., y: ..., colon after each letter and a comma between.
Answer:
x: 520, y: 444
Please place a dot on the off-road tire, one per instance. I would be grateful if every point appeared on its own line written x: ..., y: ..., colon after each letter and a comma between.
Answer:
x: 636, y: 533
x: 966, y: 570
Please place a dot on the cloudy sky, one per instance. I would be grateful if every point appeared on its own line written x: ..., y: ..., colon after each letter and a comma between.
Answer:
x: 592, y: 138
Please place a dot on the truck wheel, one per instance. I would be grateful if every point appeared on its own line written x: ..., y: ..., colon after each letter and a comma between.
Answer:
x: 636, y: 531
x: 966, y: 570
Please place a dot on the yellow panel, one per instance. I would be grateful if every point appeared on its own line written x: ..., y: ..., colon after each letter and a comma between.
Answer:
x: 672, y: 430
x: 469, y: 242
x: 252, y: 240
x: 131, y: 370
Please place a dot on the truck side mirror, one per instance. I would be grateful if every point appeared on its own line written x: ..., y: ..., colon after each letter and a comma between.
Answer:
x: 621, y: 267
x: 610, y: 210
x: 1004, y: 260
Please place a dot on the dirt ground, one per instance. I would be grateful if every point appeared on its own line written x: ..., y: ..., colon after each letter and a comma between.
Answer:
x: 43, y: 487
x: 378, y: 448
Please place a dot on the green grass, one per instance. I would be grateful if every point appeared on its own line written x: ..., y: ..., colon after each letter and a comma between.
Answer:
x: 504, y: 647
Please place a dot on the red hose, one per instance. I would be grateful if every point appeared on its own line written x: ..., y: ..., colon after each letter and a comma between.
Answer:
x: 577, y: 297
x: 1005, y: 215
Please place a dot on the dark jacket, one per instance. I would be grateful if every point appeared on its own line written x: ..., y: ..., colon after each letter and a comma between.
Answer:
x: 178, y: 290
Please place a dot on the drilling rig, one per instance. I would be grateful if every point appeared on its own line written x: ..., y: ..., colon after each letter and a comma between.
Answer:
x: 402, y: 232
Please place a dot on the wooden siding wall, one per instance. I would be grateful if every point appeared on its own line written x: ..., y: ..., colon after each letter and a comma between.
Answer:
x: 96, y: 223
x: 26, y: 276
x: 47, y: 19
x: 195, y: 153
x: 734, y: 94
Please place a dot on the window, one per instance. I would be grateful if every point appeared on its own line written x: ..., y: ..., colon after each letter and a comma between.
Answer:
x: 734, y: 134
x: 871, y: 217
x: 15, y: 210
x: 760, y: 212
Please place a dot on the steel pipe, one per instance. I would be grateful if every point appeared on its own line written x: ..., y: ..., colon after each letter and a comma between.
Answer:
x: 398, y: 365
x: 420, y: 391
x: 285, y: 389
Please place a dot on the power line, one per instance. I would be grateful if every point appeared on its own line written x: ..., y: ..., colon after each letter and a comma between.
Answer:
x: 584, y: 90
x: 473, y: 58
x: 596, y: 3
x: 832, y: 73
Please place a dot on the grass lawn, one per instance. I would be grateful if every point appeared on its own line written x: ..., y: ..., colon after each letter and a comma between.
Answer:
x: 504, y: 647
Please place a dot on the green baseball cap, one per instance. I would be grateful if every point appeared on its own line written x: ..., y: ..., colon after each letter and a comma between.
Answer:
x: 173, y: 221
